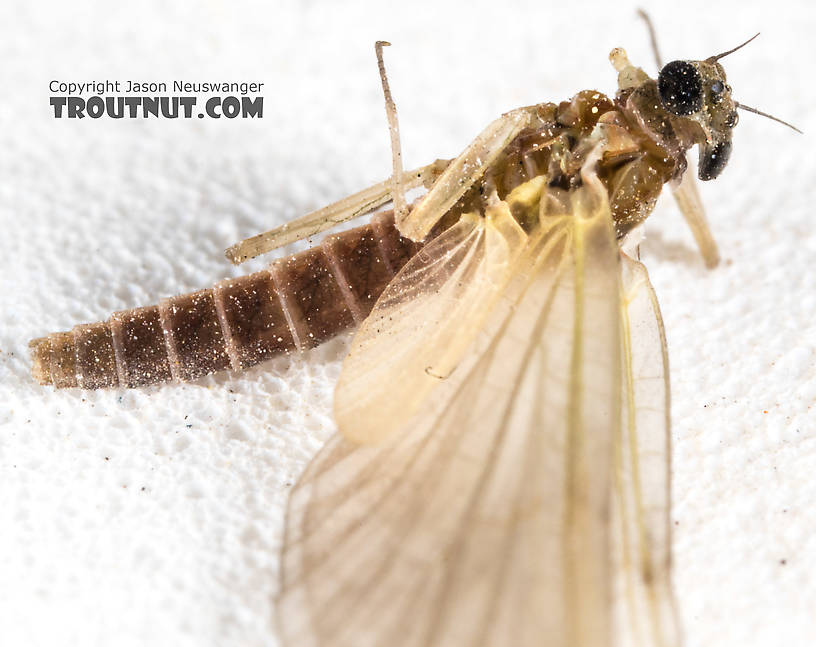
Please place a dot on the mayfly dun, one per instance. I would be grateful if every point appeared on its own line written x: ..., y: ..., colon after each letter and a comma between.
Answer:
x: 501, y: 475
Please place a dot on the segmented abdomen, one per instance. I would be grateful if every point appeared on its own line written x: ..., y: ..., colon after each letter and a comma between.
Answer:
x: 297, y: 303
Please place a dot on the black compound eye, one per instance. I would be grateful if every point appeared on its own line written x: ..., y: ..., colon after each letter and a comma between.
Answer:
x: 713, y: 160
x: 680, y: 87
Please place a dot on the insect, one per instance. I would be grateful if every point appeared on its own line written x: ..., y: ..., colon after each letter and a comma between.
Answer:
x: 502, y: 476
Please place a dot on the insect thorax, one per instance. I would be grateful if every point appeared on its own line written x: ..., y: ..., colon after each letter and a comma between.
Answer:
x: 638, y: 157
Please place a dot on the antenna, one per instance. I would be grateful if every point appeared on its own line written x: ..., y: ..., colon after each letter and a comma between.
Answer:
x: 742, y: 106
x: 731, y: 51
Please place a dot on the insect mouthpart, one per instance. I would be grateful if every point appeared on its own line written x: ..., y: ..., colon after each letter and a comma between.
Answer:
x: 713, y: 160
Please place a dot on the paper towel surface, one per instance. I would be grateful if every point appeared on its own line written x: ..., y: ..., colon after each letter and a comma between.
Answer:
x: 154, y: 516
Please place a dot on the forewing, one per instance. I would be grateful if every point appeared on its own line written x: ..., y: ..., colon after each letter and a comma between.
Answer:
x: 424, y: 322
x: 485, y: 519
x: 642, y: 503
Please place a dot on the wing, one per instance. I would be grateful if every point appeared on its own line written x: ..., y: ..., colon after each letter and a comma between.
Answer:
x: 642, y: 527
x: 427, y: 318
x: 485, y: 520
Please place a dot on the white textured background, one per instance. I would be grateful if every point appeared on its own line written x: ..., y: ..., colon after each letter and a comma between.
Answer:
x: 153, y: 517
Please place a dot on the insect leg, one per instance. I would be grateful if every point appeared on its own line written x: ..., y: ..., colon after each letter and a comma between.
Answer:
x: 464, y: 171
x: 397, y: 188
x: 331, y: 215
x: 686, y: 193
x: 688, y: 199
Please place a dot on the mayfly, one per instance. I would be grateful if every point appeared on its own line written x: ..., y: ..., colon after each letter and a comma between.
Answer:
x: 501, y: 476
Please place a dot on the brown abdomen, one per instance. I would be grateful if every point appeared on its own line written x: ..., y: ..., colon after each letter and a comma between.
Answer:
x: 299, y: 302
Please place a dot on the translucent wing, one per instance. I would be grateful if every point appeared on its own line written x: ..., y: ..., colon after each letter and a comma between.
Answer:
x: 645, y: 607
x: 485, y: 519
x: 425, y: 320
